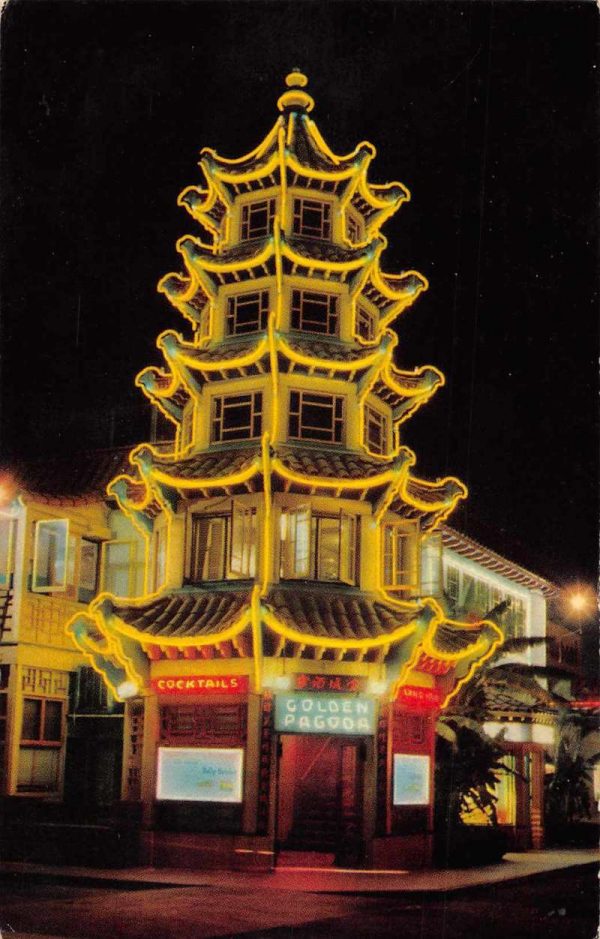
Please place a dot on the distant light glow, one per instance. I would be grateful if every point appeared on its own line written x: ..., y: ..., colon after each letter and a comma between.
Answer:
x: 127, y: 689
x: 579, y: 601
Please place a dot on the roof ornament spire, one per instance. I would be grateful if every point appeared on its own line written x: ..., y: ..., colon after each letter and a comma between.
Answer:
x: 296, y: 99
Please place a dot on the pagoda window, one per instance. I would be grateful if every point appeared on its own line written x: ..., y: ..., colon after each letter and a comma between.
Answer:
x: 50, y: 555
x: 311, y: 218
x: 224, y: 546
x: 159, y: 556
x: 257, y: 219
x: 315, y: 312
x: 242, y: 554
x: 353, y: 229
x: 89, y: 556
x: 375, y: 431
x: 399, y: 560
x: 316, y: 417
x: 247, y: 312
x: 236, y: 417
x: 318, y: 547
x: 122, y: 568
x: 186, y: 430
x: 365, y: 324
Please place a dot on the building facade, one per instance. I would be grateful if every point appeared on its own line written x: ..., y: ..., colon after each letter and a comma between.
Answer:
x: 283, y: 670
x: 268, y: 611
x: 515, y: 703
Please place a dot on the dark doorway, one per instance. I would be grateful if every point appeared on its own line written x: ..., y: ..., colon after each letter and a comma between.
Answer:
x: 321, y: 796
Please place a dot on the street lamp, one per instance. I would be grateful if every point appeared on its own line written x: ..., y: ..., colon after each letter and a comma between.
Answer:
x: 580, y: 601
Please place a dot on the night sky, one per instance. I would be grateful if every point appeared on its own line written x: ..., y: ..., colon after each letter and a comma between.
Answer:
x: 487, y: 112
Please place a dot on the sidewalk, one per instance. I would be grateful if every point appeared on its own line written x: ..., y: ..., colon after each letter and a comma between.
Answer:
x: 315, y: 880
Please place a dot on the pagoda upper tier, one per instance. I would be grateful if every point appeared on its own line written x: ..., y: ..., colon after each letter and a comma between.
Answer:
x: 291, y: 316
x: 317, y: 217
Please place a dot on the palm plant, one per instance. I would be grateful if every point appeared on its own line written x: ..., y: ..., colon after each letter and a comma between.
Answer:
x: 568, y: 793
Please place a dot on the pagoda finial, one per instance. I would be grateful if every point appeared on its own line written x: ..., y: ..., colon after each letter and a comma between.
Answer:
x: 296, y: 99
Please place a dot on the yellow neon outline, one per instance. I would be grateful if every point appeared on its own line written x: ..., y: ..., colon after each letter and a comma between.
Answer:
x: 256, y: 638
x: 235, y: 179
x: 443, y: 507
x: 156, y: 396
x: 311, y: 361
x: 190, y: 356
x: 340, y: 266
x: 475, y: 666
x: 409, y: 459
x: 282, y: 174
x: 215, y: 159
x: 267, y: 544
x: 110, y: 649
x: 179, y: 642
x: 363, y: 146
x: 200, y: 213
x: 326, y: 642
x: 324, y: 482
x: 214, y: 482
x: 276, y: 150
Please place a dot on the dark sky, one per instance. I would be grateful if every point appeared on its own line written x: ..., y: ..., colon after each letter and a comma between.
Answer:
x: 487, y: 112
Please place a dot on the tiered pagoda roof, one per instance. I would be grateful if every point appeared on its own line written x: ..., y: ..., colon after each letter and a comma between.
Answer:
x: 260, y: 618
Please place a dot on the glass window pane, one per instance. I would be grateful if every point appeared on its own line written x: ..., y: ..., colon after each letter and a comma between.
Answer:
x: 32, y: 719
x: 38, y: 769
x: 8, y: 529
x: 50, y: 554
x: 53, y: 721
x: 117, y: 561
x: 329, y: 548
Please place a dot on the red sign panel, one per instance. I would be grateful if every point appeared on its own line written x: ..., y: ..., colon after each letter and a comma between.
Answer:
x: 432, y: 666
x: 345, y: 683
x: 421, y: 699
x: 200, y: 684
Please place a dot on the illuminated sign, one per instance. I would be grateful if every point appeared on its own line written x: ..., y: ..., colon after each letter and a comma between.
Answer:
x: 201, y: 684
x: 419, y: 699
x: 304, y: 682
x: 431, y: 666
x: 324, y: 714
x: 411, y: 779
x: 197, y: 774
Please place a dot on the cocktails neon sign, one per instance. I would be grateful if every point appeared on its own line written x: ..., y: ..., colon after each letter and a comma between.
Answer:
x: 200, y: 684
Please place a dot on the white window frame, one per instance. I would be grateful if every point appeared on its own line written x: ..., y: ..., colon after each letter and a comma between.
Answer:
x: 381, y: 421
x: 132, y: 567
x: 400, y: 556
x: 60, y: 584
x: 301, y: 556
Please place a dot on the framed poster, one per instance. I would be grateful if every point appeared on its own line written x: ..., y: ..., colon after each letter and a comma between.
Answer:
x: 411, y: 779
x: 199, y: 774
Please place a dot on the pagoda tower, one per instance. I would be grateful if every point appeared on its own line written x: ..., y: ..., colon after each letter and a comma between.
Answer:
x: 284, y: 644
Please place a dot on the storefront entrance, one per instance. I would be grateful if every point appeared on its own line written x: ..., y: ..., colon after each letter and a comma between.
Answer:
x: 320, y: 806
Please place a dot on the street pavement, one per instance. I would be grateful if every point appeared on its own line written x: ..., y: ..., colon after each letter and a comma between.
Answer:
x: 558, y: 901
